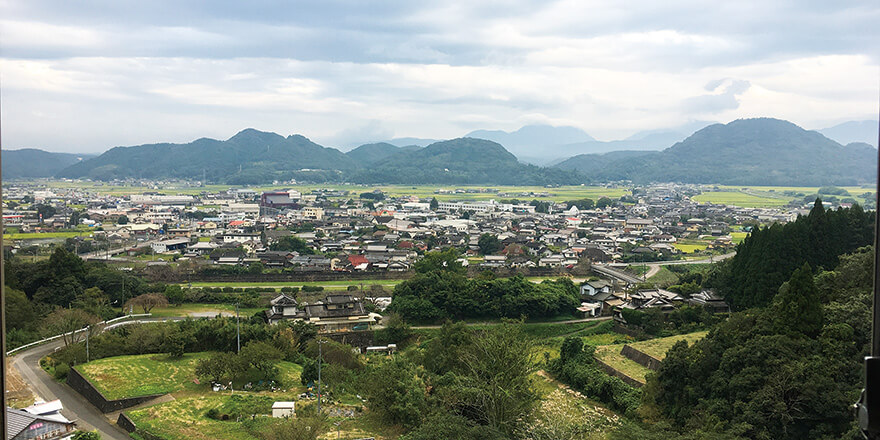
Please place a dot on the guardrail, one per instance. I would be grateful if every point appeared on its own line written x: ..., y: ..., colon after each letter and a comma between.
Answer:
x: 113, y: 324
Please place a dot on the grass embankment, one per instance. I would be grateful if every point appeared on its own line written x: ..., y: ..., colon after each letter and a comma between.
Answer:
x: 664, y: 277
x: 610, y: 354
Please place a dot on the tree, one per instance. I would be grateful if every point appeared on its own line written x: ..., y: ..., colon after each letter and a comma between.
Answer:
x: 292, y: 244
x: 261, y: 355
x: 396, y: 330
x: 495, y: 386
x: 45, y: 211
x: 148, y: 301
x: 434, y: 204
x: 174, y: 294
x: 20, y: 312
x: 796, y: 308
x: 604, y: 202
x: 94, y: 301
x: 67, y: 321
x: 397, y: 392
x: 86, y: 435
x: 122, y: 220
x: 439, y: 261
x: 489, y: 244
x: 221, y: 367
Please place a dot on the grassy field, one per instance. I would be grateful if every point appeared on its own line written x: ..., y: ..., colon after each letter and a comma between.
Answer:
x: 741, y: 199
x: 563, y: 407
x: 44, y: 235
x: 140, y: 375
x: 423, y: 191
x: 185, y: 419
x: 738, y: 237
x: 690, y: 248
x: 203, y: 309
x: 664, y: 277
x: 610, y: 354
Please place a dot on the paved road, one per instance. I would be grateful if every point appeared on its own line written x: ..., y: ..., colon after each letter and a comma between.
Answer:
x: 76, y: 407
x: 655, y: 267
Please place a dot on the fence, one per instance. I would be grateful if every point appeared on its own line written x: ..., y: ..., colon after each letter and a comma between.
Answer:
x: 76, y: 332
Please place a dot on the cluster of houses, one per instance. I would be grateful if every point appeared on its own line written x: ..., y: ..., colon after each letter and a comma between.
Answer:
x: 343, y: 232
x: 603, y: 297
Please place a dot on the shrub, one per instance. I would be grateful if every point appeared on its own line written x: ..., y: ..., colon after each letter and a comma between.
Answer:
x: 61, y: 371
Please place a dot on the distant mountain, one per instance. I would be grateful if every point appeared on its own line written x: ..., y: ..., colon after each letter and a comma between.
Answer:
x: 546, y: 145
x: 461, y: 161
x: 32, y: 163
x: 251, y: 156
x: 410, y: 141
x: 853, y: 131
x: 593, y: 164
x: 369, y: 154
x: 760, y: 151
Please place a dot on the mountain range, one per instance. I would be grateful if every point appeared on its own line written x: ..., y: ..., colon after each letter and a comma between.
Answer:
x: 749, y: 152
x: 33, y: 163
x: 761, y: 151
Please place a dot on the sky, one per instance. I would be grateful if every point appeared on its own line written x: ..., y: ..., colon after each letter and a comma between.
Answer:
x: 85, y: 76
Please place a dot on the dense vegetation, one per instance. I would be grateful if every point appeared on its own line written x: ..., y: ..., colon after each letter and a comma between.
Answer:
x: 441, y: 290
x: 768, y: 256
x: 760, y: 151
x: 788, y: 371
x: 30, y: 162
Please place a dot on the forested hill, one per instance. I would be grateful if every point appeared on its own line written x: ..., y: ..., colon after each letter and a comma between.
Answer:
x: 31, y: 162
x: 459, y: 161
x: 251, y: 155
x: 768, y: 256
x: 760, y: 151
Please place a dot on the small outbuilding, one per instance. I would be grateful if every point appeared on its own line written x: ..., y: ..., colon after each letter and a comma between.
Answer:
x: 283, y: 409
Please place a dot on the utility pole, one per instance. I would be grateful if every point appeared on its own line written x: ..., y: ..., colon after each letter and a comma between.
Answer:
x: 320, y: 343
x: 88, y: 332
x: 237, y: 330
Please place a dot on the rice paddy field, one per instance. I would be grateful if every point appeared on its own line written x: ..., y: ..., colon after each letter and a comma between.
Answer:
x: 422, y: 191
x: 766, y: 196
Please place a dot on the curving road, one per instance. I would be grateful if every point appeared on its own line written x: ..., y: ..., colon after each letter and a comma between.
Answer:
x: 655, y: 267
x: 76, y: 407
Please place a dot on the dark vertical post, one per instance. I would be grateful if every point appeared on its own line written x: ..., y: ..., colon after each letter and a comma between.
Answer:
x: 3, y: 380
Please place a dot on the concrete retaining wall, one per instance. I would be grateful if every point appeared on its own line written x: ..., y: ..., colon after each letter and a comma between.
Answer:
x: 82, y: 385
x: 613, y: 372
x: 360, y: 339
x: 125, y: 423
x: 641, y: 358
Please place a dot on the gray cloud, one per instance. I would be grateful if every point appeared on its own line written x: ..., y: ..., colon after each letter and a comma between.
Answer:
x: 725, y: 98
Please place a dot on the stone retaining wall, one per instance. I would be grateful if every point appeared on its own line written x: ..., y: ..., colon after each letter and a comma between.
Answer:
x: 359, y: 339
x: 613, y: 372
x: 126, y: 423
x: 82, y: 385
x: 641, y: 358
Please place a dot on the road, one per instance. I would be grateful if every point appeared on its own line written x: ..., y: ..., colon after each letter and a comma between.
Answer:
x: 76, y: 407
x: 655, y: 267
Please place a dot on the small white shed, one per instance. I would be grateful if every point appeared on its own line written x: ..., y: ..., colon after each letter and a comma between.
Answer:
x: 283, y: 409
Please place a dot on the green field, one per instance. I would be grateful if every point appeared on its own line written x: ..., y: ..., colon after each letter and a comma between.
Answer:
x: 690, y: 248
x: 610, y: 354
x: 664, y: 277
x: 141, y: 375
x: 44, y: 235
x: 190, y: 309
x: 738, y: 237
x: 423, y: 191
x: 184, y: 419
x: 276, y: 284
x: 741, y: 199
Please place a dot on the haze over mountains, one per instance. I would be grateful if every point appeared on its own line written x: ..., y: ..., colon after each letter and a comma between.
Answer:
x: 748, y: 152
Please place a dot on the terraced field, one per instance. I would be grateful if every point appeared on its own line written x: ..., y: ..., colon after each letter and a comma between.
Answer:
x: 610, y: 354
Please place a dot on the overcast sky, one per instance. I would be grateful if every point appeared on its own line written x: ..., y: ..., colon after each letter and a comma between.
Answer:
x: 84, y: 76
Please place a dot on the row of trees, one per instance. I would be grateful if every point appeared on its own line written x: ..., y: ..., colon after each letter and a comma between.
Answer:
x: 441, y: 290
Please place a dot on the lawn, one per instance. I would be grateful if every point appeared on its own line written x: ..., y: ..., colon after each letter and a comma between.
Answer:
x: 141, y: 375
x: 610, y: 354
x: 185, y: 419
